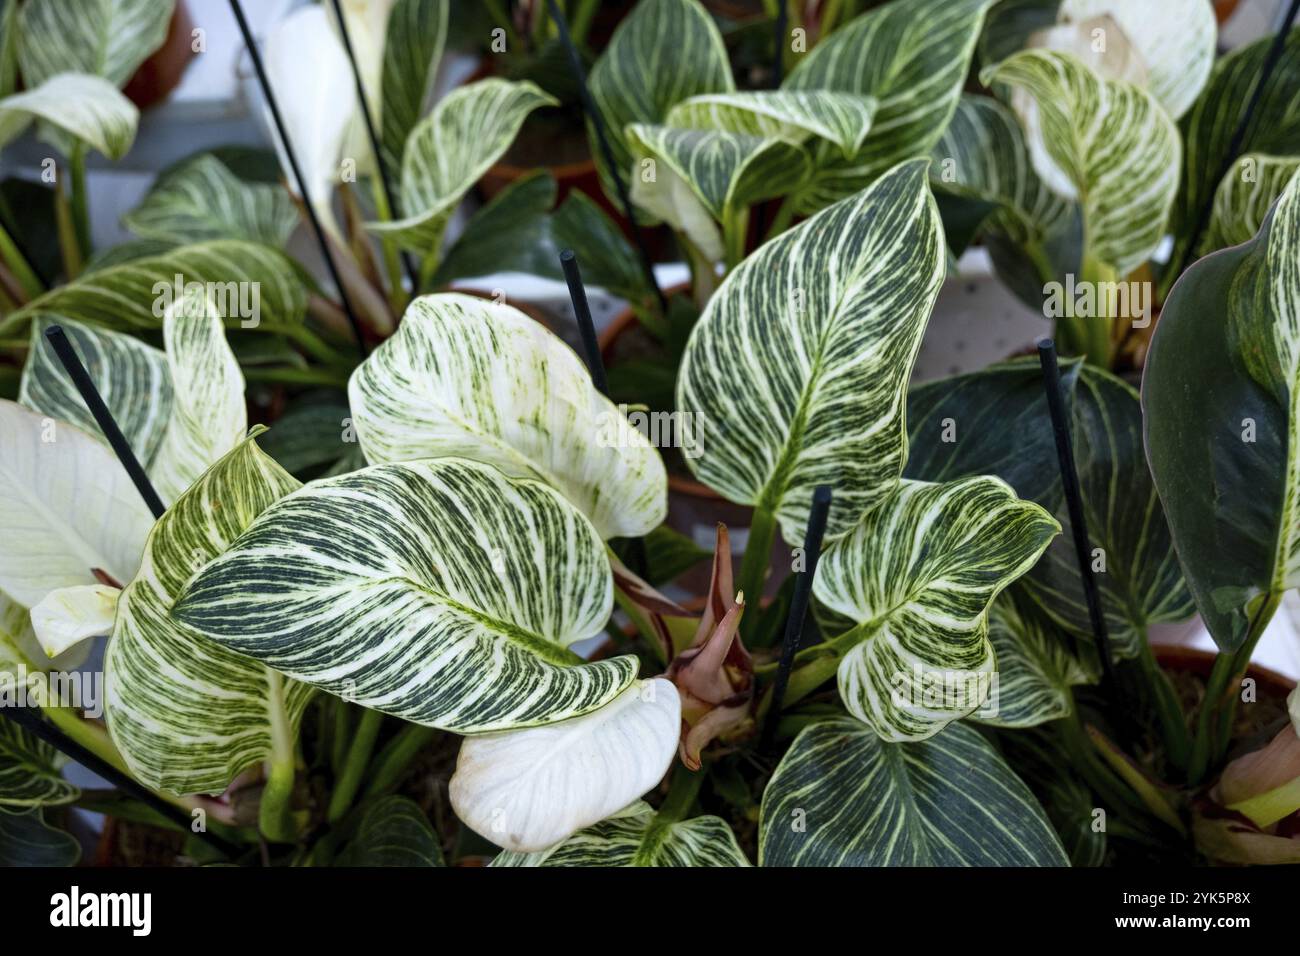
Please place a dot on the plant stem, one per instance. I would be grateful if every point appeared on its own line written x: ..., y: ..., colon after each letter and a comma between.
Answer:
x: 293, y: 375
x: 354, y: 765
x: 1169, y: 712
x: 90, y: 735
x: 80, y: 211
x: 397, y: 297
x: 275, y: 815
x: 391, y: 764
x: 314, y: 345
x: 19, y: 266
x: 68, y: 245
x: 682, y: 791
x: 735, y: 230
x: 781, y: 221
x: 756, y: 562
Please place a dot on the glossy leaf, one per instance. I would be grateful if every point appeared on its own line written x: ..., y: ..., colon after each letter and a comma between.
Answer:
x: 415, y: 34
x: 108, y: 38
x: 1244, y: 197
x: 797, y: 116
x: 393, y: 832
x: 85, y: 107
x: 1036, y: 671
x: 29, y: 771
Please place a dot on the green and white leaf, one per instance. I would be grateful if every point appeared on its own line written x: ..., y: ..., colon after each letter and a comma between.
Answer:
x: 1244, y: 197
x: 637, y: 837
x: 1218, y: 406
x: 8, y: 47
x: 438, y: 591
x: 664, y: 52
x: 841, y: 796
x: 529, y: 789
x: 202, y: 200
x: 1035, y: 671
x: 108, y: 38
x: 1107, y: 144
x: 27, y: 840
x: 393, y: 831
x: 67, y: 507
x: 843, y: 119
x: 917, y: 576
x: 464, y: 377
x: 796, y: 370
x: 415, y: 34
x: 239, y: 278
x: 186, y: 713
x: 67, y: 616
x: 450, y: 149
x: 913, y: 59
x: 85, y: 107
x: 29, y: 770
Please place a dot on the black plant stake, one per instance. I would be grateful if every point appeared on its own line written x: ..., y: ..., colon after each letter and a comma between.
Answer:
x: 321, y: 239
x: 778, y: 61
x: 1074, y: 502
x: 812, y: 546
x: 582, y: 311
x: 373, y: 136
x: 602, y: 139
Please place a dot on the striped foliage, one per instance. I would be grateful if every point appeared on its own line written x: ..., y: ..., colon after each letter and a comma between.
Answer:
x: 136, y: 295
x: 1108, y: 144
x: 67, y: 507
x: 186, y: 713
x: 202, y: 200
x: 84, y: 107
x: 1035, y: 670
x: 664, y: 52
x: 416, y: 32
x: 450, y: 149
x: 29, y: 770
x: 393, y: 831
x: 797, y: 368
x: 528, y: 789
x: 469, y: 378
x: 27, y: 840
x: 8, y: 46
x: 843, y: 797
x: 637, y: 837
x: 843, y: 119
x: 1244, y: 197
x: 917, y: 576
x: 1218, y: 407
x: 108, y: 38
x: 438, y: 591
x: 911, y: 56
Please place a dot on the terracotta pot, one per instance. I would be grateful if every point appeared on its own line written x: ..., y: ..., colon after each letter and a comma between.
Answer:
x: 161, y: 73
x: 1176, y: 657
x: 533, y: 312
x: 1224, y: 9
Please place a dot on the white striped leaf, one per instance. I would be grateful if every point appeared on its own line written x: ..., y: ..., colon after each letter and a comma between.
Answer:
x: 1036, y: 671
x: 202, y: 200
x: 916, y: 577
x: 1221, y: 427
x: 664, y: 52
x: 467, y: 378
x: 637, y: 837
x: 1244, y: 197
x: 29, y: 770
x: 528, y: 789
x: 912, y: 57
x: 1174, y: 38
x: 239, y: 277
x: 438, y: 591
x: 450, y: 149
x: 843, y: 119
x: 8, y: 46
x: 1100, y: 44
x: 67, y: 507
x: 109, y: 38
x: 185, y: 712
x: 416, y: 32
x: 796, y: 370
x: 85, y: 107
x: 841, y: 796
x: 1107, y: 144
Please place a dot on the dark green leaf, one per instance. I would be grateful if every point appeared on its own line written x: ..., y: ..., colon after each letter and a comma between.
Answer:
x: 393, y: 832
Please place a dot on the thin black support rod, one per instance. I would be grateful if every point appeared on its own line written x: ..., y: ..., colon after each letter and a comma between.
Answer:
x: 606, y: 152
x: 1074, y: 502
x: 373, y: 136
x: 778, y: 61
x: 321, y: 239
x: 38, y: 727
x: 59, y: 341
x: 1271, y: 60
x: 586, y: 328
x: 812, y: 546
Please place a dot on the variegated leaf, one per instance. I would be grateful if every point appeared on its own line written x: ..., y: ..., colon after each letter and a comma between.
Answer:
x: 841, y: 796
x: 1219, y: 412
x: 843, y: 119
x: 85, y: 107
x: 796, y: 371
x: 527, y: 790
x: 108, y: 38
x: 638, y: 837
x: 1107, y: 144
x: 393, y: 831
x: 202, y: 200
x: 910, y: 56
x: 917, y: 576
x: 465, y: 377
x: 67, y: 616
x: 450, y: 149
x: 1244, y: 197
x: 8, y: 47
x: 664, y: 52
x: 1174, y: 38
x: 27, y: 840
x: 1036, y: 671
x: 186, y: 713
x: 20, y: 650
x: 416, y: 32
x: 438, y: 591
x: 251, y: 285
x: 29, y: 770
x: 67, y: 507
